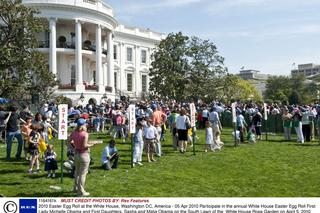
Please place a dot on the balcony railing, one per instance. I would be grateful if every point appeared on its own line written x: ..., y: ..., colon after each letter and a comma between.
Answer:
x: 67, y: 86
x: 71, y: 45
x: 108, y: 89
x: 68, y: 45
x: 91, y: 87
x: 90, y: 1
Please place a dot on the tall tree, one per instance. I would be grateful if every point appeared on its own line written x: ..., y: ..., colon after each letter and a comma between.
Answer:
x: 169, y: 67
x: 23, y: 70
x: 206, y: 68
x: 185, y: 68
x: 278, y: 88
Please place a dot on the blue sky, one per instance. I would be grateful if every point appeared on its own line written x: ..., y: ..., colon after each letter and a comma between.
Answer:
x: 268, y: 35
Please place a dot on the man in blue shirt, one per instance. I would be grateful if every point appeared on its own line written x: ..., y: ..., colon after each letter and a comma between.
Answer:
x: 110, y: 153
x: 241, y: 125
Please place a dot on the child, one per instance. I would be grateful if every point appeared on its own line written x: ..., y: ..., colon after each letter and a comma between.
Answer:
x: 26, y: 130
x: 51, y: 163
x: 119, y: 120
x: 97, y: 123
x: 237, y: 136
x: 33, y: 148
x: 46, y: 126
x: 209, y: 137
x: 138, y: 145
x: 190, y: 136
x: 251, y: 135
x: 150, y: 135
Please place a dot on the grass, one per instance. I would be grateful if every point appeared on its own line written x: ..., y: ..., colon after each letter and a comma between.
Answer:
x: 267, y: 169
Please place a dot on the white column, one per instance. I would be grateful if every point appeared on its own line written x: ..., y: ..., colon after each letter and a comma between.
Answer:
x: 110, y: 62
x: 99, y: 77
x: 79, y: 81
x: 137, y: 72
x: 122, y: 75
x: 53, y: 47
x: 105, y: 63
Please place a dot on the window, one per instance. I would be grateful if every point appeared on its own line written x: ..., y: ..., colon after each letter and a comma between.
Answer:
x: 315, y: 71
x: 308, y: 72
x: 115, y: 52
x: 94, y: 74
x: 129, y: 82
x: 129, y: 54
x: 73, y: 75
x: 143, y: 56
x: 144, y: 83
x: 115, y: 81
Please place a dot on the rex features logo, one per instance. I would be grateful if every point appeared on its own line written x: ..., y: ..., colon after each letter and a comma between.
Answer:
x: 28, y: 205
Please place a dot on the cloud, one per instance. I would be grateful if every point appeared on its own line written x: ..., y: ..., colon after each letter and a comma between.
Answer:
x: 279, y: 32
x: 221, y: 7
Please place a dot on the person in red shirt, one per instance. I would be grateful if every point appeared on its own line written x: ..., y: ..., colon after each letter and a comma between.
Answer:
x: 79, y: 139
x: 158, y: 119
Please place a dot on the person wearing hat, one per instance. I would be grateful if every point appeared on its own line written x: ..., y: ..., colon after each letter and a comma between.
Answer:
x: 79, y: 139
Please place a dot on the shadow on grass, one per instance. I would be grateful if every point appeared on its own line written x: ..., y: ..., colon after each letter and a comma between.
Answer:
x: 305, y: 144
x: 14, y: 161
x: 10, y: 171
x: 10, y: 184
x: 47, y: 194
x: 96, y: 168
x: 40, y: 175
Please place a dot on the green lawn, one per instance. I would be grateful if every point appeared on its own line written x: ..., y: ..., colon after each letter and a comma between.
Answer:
x: 265, y: 169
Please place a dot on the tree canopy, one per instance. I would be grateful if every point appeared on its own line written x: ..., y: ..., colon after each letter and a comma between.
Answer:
x: 23, y: 70
x: 186, y: 68
x: 235, y: 88
x: 295, y: 89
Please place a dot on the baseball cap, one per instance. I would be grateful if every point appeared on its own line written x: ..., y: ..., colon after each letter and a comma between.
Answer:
x: 81, y: 122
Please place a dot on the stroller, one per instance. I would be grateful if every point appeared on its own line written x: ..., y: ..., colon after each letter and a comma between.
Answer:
x: 69, y: 165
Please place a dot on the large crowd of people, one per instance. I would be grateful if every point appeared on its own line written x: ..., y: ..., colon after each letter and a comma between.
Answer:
x: 34, y: 132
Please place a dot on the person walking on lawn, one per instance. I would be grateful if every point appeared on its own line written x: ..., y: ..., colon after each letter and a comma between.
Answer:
x: 79, y: 139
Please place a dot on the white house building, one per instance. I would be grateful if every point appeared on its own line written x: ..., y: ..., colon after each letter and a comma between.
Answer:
x: 91, y: 53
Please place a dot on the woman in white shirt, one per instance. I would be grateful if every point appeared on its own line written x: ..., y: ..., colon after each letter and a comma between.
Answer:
x: 182, y: 131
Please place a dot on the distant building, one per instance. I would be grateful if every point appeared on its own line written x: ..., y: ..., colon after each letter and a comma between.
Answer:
x: 306, y: 69
x: 253, y: 75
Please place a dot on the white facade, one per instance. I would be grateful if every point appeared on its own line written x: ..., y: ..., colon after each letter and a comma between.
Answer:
x: 91, y: 53
x: 307, y: 69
